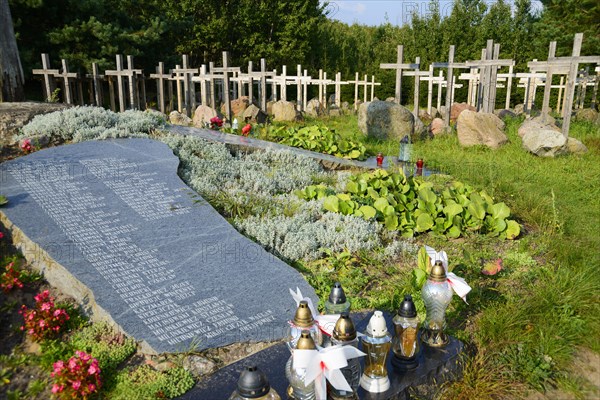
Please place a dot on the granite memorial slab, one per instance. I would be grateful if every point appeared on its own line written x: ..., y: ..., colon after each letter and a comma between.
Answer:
x: 111, y: 223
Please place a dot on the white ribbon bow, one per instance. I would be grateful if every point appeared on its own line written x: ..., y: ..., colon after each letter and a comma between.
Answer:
x: 458, y: 284
x: 324, y: 365
x: 325, y: 322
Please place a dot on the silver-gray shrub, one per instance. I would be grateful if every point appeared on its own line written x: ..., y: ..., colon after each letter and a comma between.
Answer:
x: 304, y: 235
x: 90, y: 123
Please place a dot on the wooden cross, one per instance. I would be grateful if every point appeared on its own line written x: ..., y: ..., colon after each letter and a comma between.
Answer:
x: 573, y: 65
x: 225, y: 70
x: 96, y: 81
x: 488, y: 65
x: 357, y: 82
x: 596, y: 84
x: 417, y: 74
x: 450, y: 65
x: 48, y: 74
x: 398, y: 67
x: 67, y: 77
x: 373, y: 84
x: 185, y: 75
x: 207, y: 84
x: 338, y: 91
x: 161, y: 77
x: 128, y: 73
x: 322, y: 82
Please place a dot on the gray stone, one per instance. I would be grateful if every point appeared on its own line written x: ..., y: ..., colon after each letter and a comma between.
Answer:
x: 576, y: 147
x: 502, y: 114
x: 314, y: 108
x: 520, y: 109
x: 270, y: 107
x: 586, y: 114
x: 334, y: 111
x: 238, y: 106
x: 391, y: 99
x: 177, y: 118
x: 485, y: 129
x: 385, y: 120
x: 202, y: 116
x: 111, y: 224
x: 545, y: 143
x: 345, y: 106
x: 13, y: 116
x: 199, y: 366
x: 536, y: 124
x: 284, y: 111
x: 254, y: 114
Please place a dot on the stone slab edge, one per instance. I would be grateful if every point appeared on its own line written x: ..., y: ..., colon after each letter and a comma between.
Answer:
x: 60, y: 277
x: 328, y: 161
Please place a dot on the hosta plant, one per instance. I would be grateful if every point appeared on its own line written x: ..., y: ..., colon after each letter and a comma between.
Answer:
x: 412, y: 205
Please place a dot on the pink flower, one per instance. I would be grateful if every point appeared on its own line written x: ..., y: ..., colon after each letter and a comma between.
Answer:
x: 42, y: 323
x: 58, y: 366
x: 2, y: 236
x: 91, y: 387
x: 76, y: 385
x: 56, y: 388
x: 46, y: 307
x: 93, y: 369
x: 73, y: 364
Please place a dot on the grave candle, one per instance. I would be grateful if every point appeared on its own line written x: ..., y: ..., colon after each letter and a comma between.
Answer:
x: 344, y: 334
x: 379, y: 160
x: 337, y: 302
x: 419, y: 171
x: 303, y: 320
x: 376, y: 343
x: 405, y: 344
x: 437, y: 295
x: 253, y: 384
x: 298, y: 390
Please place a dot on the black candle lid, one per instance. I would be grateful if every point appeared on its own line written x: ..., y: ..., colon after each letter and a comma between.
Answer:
x: 407, y: 308
x: 253, y: 383
x: 337, y: 295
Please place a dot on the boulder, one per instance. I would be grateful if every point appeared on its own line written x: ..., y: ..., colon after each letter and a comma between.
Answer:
x: 458, y: 108
x: 345, y: 106
x: 202, y: 116
x: 13, y: 116
x: 284, y: 111
x: 576, y: 147
x: 314, y: 108
x: 254, y: 114
x: 177, y: 118
x: 442, y: 112
x: 238, y: 106
x: 587, y: 114
x: 435, y: 113
x: 520, y: 109
x: 425, y: 117
x: 420, y: 128
x: 270, y: 107
x: 475, y: 128
x: 385, y: 120
x: 437, y: 127
x: 505, y: 114
x: 391, y: 99
x: 334, y: 111
x: 545, y: 142
x: 537, y: 123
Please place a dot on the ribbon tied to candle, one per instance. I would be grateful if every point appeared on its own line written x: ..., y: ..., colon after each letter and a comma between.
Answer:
x: 325, y: 322
x: 458, y: 284
x: 324, y: 365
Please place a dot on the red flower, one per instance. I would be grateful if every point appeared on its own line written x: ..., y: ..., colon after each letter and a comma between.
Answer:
x: 246, y: 130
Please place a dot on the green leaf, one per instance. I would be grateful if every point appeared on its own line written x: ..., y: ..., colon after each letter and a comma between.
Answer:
x: 332, y: 203
x: 424, y: 223
x: 423, y: 260
x: 420, y: 277
x: 354, y: 154
x: 368, y: 212
x: 373, y: 193
x: 452, y: 209
x: 343, y: 197
x: 513, y: 229
x: 453, y: 232
x: 427, y: 195
x: 476, y: 209
x: 391, y: 222
x: 381, y: 204
x: 500, y: 211
x: 352, y: 187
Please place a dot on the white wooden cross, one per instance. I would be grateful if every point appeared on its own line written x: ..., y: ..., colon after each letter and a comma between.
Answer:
x: 450, y: 65
x: 357, y: 82
x: 322, y: 83
x: 573, y: 64
x: 185, y: 74
x: 398, y: 67
x: 48, y: 76
x: 96, y: 80
x: 262, y: 75
x: 207, y: 85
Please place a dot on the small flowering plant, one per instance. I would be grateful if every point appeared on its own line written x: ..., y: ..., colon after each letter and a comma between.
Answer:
x: 10, y: 278
x: 45, y: 320
x: 246, y: 130
x: 216, y: 123
x: 27, y: 146
x: 77, y: 378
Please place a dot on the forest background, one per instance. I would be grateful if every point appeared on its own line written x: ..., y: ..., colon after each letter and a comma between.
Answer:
x: 291, y: 32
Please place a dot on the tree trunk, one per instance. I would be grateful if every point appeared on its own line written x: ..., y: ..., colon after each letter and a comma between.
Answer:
x: 11, y: 72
